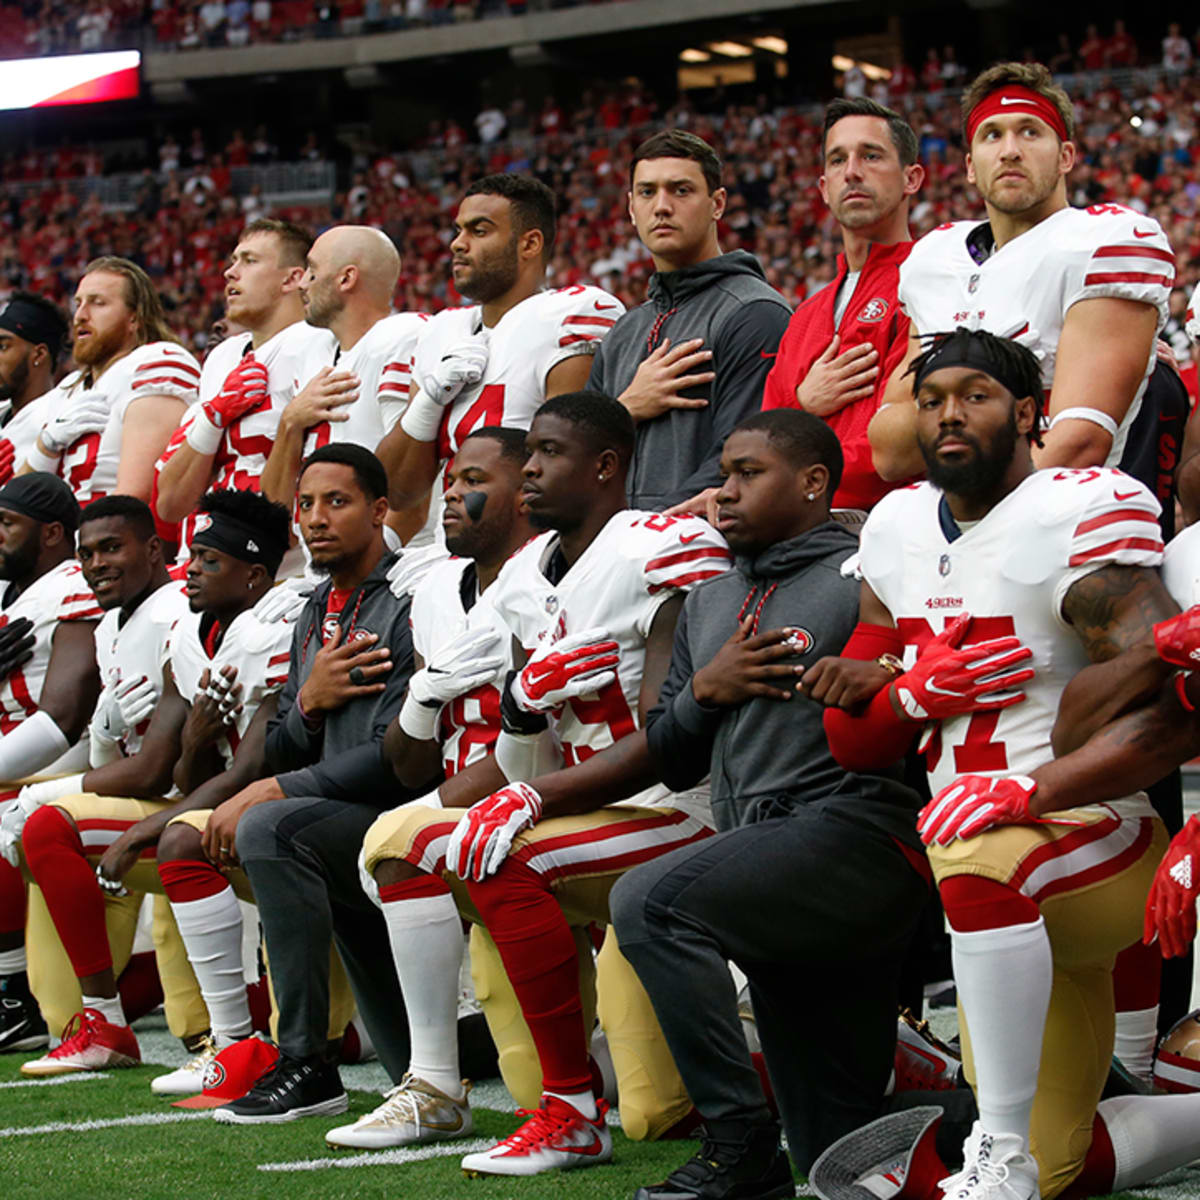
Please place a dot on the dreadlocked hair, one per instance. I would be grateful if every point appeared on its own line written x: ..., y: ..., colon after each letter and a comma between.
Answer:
x: 1012, y: 364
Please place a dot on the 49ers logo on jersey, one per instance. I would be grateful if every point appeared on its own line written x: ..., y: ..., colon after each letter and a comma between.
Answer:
x: 874, y: 310
x: 800, y: 640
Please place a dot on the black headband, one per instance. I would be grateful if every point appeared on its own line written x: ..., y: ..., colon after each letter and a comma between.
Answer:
x: 965, y: 348
x: 34, y: 323
x: 43, y: 498
x: 220, y: 531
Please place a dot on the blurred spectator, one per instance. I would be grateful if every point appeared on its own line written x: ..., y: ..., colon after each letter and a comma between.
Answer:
x: 490, y: 124
x: 1063, y: 60
x: 1121, y: 50
x: 1092, y: 50
x: 212, y: 21
x: 854, y: 82
x: 1176, y: 53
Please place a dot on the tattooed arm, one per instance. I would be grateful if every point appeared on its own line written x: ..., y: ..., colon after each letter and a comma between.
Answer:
x: 1113, y: 612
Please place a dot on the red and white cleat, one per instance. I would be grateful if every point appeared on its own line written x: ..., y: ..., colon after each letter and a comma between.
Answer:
x: 90, y: 1043
x: 924, y: 1063
x: 555, y: 1137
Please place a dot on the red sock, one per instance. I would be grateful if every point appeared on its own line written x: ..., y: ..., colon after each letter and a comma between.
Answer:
x: 12, y: 899
x: 60, y: 868
x: 139, y: 987
x: 420, y: 888
x: 973, y: 903
x: 1099, y: 1167
x: 539, y: 955
x: 185, y: 879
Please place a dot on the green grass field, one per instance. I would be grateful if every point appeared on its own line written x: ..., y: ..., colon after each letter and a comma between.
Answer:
x: 108, y: 1138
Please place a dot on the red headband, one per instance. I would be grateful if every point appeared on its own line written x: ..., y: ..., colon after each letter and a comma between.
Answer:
x: 1014, y: 98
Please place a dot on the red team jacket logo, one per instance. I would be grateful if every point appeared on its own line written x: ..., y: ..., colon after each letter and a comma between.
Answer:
x: 874, y: 310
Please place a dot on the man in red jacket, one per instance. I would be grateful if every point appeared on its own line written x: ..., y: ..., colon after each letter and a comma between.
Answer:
x: 843, y: 343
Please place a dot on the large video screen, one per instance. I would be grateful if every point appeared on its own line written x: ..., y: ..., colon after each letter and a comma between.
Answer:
x: 68, y: 79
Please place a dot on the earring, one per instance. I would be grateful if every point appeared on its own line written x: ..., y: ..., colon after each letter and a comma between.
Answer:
x: 812, y: 496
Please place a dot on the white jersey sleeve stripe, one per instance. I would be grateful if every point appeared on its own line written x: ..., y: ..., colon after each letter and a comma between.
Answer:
x: 604, y: 322
x: 1152, y: 252
x: 1102, y: 277
x: 172, y: 364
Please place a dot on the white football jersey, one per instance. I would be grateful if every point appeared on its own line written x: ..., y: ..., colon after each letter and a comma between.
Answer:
x: 1024, y: 289
x: 139, y: 647
x: 90, y: 463
x: 1011, y: 571
x: 1192, y: 318
x: 470, y: 724
x: 524, y: 346
x: 59, y: 595
x: 22, y: 428
x: 635, y: 563
x: 382, y: 359
x: 260, y: 650
x: 291, y: 357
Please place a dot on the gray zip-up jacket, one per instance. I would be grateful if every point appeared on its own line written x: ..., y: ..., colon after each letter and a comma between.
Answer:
x: 341, y: 758
x: 767, y: 757
x: 727, y: 302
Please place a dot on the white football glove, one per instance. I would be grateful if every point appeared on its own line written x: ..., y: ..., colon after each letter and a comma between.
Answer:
x: 135, y: 699
x: 284, y: 601
x: 461, y: 366
x: 29, y: 799
x: 90, y: 415
x: 412, y: 566
x: 461, y: 665
x: 105, y: 730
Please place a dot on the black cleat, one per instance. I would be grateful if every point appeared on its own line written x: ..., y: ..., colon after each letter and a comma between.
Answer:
x: 736, y: 1162
x: 21, y: 1024
x: 294, y: 1088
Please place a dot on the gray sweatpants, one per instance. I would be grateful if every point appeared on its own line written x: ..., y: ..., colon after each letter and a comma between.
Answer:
x: 301, y: 855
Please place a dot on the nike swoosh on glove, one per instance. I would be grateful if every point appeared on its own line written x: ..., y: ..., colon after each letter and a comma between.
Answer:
x: 482, y: 839
x: 573, y: 666
x: 1171, y: 904
x: 950, y: 680
x: 90, y: 415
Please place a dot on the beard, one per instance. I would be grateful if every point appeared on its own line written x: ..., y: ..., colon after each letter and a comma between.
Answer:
x: 492, y: 276
x: 98, y: 348
x: 20, y: 561
x: 322, y: 308
x: 978, y: 477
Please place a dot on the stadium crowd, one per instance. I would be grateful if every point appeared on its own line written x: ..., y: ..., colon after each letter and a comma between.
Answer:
x: 679, y: 572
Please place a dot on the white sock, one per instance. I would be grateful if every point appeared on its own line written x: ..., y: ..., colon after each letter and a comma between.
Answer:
x: 427, y: 947
x: 211, y: 929
x: 12, y: 962
x: 582, y: 1102
x: 1004, y: 978
x: 109, y: 1007
x: 1137, y: 1037
x: 1150, y: 1135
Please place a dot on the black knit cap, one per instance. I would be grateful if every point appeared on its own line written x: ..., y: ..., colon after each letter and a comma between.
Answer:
x: 38, y: 324
x: 41, y: 497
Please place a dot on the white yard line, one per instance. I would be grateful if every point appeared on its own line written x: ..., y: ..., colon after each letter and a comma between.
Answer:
x: 112, y: 1123
x: 54, y: 1080
x: 382, y: 1158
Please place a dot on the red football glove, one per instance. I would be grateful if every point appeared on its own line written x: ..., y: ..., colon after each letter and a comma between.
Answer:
x: 949, y: 681
x: 8, y: 459
x: 1177, y: 639
x: 245, y: 388
x: 1171, y: 905
x: 973, y: 803
x: 572, y: 666
x: 482, y: 839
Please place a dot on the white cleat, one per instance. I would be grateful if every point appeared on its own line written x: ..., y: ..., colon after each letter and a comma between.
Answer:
x: 413, y: 1111
x: 996, y: 1166
x: 555, y: 1137
x: 187, y: 1080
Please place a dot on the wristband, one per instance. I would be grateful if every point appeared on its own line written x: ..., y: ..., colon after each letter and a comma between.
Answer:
x: 419, y: 721
x: 40, y: 460
x: 203, y: 436
x: 311, y: 722
x: 1181, y: 678
x: 513, y: 718
x: 1095, y: 415
x: 422, y: 418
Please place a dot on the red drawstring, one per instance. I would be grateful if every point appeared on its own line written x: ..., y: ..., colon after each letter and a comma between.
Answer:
x: 758, y: 607
x: 659, y: 321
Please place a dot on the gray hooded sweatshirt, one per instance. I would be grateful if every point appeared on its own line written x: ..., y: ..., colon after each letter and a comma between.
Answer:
x: 768, y: 757
x: 727, y: 302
